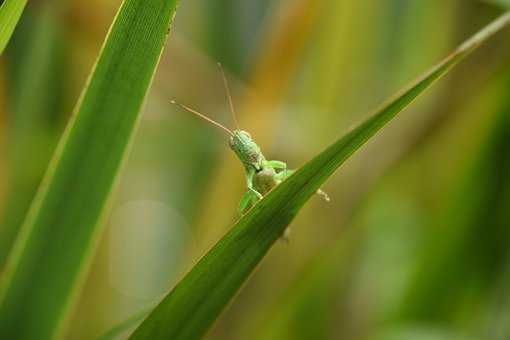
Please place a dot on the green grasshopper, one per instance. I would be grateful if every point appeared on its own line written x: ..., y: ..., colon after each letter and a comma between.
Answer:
x: 261, y: 175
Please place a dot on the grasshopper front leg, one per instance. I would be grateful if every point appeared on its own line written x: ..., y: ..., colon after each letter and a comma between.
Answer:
x: 251, y: 196
x: 277, y: 165
x: 249, y: 199
x: 249, y: 183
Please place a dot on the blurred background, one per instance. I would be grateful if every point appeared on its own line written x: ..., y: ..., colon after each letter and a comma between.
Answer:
x: 415, y: 243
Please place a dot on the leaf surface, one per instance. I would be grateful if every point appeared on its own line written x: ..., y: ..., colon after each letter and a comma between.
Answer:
x: 198, y: 299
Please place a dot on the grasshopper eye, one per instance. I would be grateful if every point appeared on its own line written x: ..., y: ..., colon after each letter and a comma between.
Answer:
x: 231, y: 141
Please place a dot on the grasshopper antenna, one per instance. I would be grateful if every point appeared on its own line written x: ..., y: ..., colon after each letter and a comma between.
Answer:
x: 229, y: 96
x: 186, y: 108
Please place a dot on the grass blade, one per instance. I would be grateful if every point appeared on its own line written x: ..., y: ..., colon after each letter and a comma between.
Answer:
x: 48, y: 262
x: 35, y: 59
x: 192, y: 306
x: 476, y: 214
x: 125, y: 327
x: 10, y: 12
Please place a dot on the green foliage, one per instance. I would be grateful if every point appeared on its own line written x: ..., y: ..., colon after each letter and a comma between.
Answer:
x: 60, y: 232
x: 10, y: 12
x: 34, y: 61
x: 125, y: 327
x: 475, y: 218
x: 191, y: 307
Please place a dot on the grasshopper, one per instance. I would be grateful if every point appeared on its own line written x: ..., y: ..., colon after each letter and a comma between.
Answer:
x: 262, y: 175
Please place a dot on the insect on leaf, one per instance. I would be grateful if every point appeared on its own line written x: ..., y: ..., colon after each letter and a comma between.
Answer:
x: 197, y: 300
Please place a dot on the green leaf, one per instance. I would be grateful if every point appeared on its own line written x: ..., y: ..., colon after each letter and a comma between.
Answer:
x: 501, y: 3
x: 10, y: 12
x: 48, y: 264
x: 197, y: 300
x: 309, y: 308
x: 125, y: 327
x: 36, y: 83
x: 475, y: 214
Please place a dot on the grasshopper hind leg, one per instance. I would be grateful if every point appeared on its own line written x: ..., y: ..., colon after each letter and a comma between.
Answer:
x: 323, y: 195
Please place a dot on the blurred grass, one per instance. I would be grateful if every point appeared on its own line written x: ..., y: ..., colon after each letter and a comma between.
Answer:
x: 10, y: 12
x: 314, y: 303
x: 470, y: 244
x: 395, y: 187
x: 196, y: 301
x: 126, y: 327
x: 35, y: 96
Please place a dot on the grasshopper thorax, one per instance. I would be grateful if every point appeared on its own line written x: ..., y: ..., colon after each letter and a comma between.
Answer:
x: 246, y: 149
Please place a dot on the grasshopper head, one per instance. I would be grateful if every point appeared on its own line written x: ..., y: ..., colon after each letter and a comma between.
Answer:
x: 246, y: 149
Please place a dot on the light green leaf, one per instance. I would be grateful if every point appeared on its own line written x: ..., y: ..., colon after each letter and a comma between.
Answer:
x: 10, y: 12
x: 197, y: 300
x: 48, y: 264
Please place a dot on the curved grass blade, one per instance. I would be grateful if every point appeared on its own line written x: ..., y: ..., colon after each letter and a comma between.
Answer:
x: 197, y: 300
x: 48, y: 262
x: 125, y: 326
x: 10, y: 12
